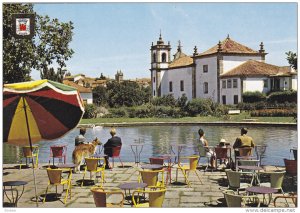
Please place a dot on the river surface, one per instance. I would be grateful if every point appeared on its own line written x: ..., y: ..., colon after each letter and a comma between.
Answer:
x: 157, y: 141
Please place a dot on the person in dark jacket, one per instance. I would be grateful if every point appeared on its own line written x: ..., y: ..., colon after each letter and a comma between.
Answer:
x: 80, y: 139
x: 114, y: 141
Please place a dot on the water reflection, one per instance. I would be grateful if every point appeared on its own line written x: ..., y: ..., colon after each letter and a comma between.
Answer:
x: 158, y: 139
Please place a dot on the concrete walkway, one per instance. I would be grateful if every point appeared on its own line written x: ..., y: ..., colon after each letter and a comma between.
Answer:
x: 208, y: 194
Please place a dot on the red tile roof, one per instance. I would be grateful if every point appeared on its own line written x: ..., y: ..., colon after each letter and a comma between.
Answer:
x: 181, y: 60
x: 78, y: 87
x: 256, y: 68
x: 229, y: 46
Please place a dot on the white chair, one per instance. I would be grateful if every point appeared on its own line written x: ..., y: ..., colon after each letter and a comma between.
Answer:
x: 202, y: 153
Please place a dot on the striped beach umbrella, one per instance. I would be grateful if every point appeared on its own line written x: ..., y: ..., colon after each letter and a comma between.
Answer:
x: 38, y: 110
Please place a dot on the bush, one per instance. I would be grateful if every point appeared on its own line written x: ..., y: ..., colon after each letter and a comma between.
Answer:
x: 143, y: 111
x: 220, y: 110
x: 166, y: 100
x: 274, y: 113
x: 199, y: 106
x: 101, y: 111
x: 167, y: 111
x: 252, y: 97
x: 90, y: 111
x: 283, y: 96
x: 118, y: 112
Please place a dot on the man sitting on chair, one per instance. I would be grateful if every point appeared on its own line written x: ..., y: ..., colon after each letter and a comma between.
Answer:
x: 114, y: 141
x: 243, y: 141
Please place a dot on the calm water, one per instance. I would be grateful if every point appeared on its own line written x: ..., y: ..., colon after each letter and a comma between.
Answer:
x: 157, y: 140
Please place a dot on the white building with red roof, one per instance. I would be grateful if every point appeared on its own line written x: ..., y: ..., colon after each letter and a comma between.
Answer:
x: 222, y: 73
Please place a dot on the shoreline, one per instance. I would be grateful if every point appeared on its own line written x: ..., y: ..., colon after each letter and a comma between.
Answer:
x: 128, y: 124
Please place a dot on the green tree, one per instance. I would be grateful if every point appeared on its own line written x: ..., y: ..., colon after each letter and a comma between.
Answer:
x: 18, y: 54
x: 292, y: 59
x: 126, y: 93
x: 100, y: 95
x: 49, y: 45
x: 53, y: 38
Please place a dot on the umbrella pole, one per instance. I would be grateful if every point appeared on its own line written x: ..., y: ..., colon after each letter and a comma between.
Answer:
x: 30, y: 143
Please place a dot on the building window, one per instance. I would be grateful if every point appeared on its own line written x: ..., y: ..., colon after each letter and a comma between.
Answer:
x: 181, y: 85
x: 224, y: 99
x: 235, y: 99
x: 154, y: 93
x: 205, y: 68
x: 224, y: 84
x: 153, y: 79
x: 170, y: 86
x: 205, y: 89
x: 234, y: 83
x: 154, y: 57
x: 229, y: 83
x: 266, y: 83
x: 164, y: 57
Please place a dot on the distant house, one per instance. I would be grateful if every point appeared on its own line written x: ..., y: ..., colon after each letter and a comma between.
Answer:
x: 222, y: 73
x: 85, y: 93
x: 254, y: 76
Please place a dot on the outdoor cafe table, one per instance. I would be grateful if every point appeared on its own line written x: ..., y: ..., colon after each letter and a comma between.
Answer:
x: 13, y: 186
x: 137, y: 149
x: 179, y: 147
x: 131, y: 186
x: 254, y: 170
x: 262, y: 190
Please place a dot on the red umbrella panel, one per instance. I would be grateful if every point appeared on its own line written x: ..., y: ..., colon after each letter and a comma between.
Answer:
x: 50, y: 108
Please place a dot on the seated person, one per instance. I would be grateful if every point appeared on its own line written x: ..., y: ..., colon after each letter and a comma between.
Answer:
x: 209, y: 153
x: 222, y: 143
x: 80, y: 139
x: 114, y: 141
x: 243, y: 141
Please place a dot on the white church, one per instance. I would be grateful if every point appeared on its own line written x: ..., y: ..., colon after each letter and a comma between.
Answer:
x: 222, y: 73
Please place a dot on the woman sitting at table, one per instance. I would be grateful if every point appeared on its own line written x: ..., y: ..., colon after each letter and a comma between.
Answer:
x: 209, y: 152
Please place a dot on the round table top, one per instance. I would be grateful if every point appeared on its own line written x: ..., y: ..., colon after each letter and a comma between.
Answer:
x: 67, y: 165
x: 132, y: 185
x: 251, y: 167
x: 14, y: 183
x: 152, y: 166
x: 261, y: 190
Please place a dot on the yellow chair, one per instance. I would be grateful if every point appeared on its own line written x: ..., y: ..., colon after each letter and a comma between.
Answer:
x: 92, y: 165
x: 151, y: 177
x: 234, y: 200
x: 101, y: 197
x: 156, y: 196
x: 55, y: 179
x: 28, y: 154
x: 192, y: 167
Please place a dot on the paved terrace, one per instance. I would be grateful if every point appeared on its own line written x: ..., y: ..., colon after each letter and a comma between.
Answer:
x: 207, y: 195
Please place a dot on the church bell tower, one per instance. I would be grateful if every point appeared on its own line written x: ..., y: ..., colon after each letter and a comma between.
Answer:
x: 160, y: 59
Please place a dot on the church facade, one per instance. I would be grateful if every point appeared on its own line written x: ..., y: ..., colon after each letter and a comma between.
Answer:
x: 222, y: 73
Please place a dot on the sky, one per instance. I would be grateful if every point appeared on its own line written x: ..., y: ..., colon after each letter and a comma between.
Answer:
x: 118, y: 36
